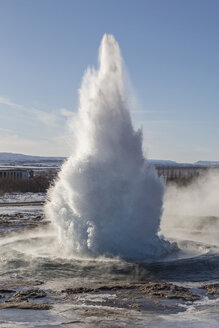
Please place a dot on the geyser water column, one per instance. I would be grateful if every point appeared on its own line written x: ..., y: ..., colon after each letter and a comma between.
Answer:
x: 107, y: 199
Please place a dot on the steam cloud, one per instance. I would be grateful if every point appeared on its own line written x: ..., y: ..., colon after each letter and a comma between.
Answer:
x: 192, y: 212
x: 107, y: 199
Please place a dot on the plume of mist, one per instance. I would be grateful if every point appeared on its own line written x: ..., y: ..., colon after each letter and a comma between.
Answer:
x: 191, y: 212
x: 107, y: 199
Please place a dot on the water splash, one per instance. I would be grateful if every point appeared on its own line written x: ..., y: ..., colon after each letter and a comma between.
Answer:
x: 107, y: 199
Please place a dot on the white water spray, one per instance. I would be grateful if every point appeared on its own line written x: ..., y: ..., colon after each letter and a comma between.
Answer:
x: 107, y: 199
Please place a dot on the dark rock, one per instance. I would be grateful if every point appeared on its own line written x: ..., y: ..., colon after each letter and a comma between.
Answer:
x: 103, y: 313
x: 6, y: 290
x: 26, y: 305
x: 157, y: 289
x: 21, y: 283
x: 211, y: 289
x: 168, y: 290
x: 79, y: 290
x: 25, y: 295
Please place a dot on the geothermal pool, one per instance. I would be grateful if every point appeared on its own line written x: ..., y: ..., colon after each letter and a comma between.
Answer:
x: 112, y: 247
x: 99, y: 292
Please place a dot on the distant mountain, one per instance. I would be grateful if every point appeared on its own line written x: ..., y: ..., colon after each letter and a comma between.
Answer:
x: 207, y: 163
x: 11, y: 157
x: 161, y: 162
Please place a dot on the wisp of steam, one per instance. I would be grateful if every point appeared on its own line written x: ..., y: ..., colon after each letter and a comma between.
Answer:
x: 107, y: 199
x: 191, y: 212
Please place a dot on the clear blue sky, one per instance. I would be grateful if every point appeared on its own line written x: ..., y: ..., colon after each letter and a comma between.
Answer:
x: 170, y: 48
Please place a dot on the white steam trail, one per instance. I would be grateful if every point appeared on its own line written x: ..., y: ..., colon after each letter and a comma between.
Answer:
x: 192, y: 212
x: 107, y: 199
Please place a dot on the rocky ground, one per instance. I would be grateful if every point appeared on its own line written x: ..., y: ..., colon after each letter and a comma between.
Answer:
x: 88, y: 305
x: 27, y: 294
x: 211, y: 289
x: 20, y: 221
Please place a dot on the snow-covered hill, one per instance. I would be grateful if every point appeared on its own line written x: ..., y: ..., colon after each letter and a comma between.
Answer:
x: 207, y: 163
x: 21, y: 157
x: 161, y: 162
x: 13, y: 159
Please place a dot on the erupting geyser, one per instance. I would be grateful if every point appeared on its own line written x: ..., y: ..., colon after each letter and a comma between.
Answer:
x: 107, y: 199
